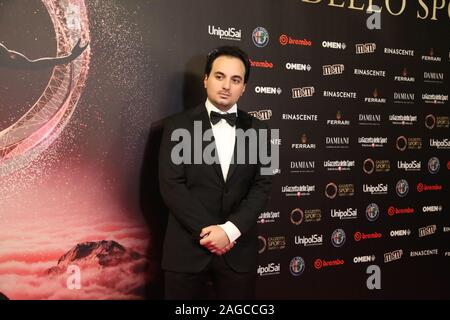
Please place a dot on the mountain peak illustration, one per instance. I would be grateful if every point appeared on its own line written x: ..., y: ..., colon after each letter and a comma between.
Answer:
x: 104, y: 253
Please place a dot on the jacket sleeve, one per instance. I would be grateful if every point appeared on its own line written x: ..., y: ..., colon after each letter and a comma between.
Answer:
x: 246, y: 214
x: 186, y: 209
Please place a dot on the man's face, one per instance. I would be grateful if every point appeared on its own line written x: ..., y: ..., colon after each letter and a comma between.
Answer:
x: 225, y: 84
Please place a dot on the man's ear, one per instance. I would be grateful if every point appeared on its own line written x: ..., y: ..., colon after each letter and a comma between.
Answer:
x: 243, y: 89
x: 204, y: 80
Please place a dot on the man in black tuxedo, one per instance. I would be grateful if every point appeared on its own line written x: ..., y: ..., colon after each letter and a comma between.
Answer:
x: 211, y: 233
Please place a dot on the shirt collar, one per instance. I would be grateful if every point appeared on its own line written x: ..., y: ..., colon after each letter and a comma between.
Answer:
x: 210, y: 107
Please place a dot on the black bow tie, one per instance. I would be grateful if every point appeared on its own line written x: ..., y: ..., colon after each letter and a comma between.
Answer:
x: 229, y: 117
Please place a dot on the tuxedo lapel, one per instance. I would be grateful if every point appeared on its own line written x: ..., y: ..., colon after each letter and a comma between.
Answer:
x: 243, y: 122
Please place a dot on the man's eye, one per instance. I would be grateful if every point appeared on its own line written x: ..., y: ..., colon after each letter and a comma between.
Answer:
x: 219, y: 77
x: 236, y: 81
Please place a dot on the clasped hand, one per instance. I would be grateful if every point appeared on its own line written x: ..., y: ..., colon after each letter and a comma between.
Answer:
x: 216, y: 240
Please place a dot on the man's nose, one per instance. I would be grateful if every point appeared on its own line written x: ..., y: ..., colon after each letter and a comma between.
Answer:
x: 226, y: 84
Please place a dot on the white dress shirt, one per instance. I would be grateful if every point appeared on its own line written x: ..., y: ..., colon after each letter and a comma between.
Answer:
x: 224, y: 136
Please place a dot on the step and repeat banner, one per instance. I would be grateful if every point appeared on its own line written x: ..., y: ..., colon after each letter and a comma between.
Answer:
x: 359, y: 93
x: 358, y: 90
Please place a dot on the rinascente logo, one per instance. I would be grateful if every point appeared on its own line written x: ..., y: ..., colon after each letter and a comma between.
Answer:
x: 261, y: 114
x: 334, y: 45
x: 337, y: 142
x: 300, y: 117
x: 302, y: 166
x: 369, y: 119
x: 276, y: 141
x: 339, y: 94
x: 404, y: 77
x: 375, y: 98
x: 369, y: 72
x: 333, y: 69
x: 339, y: 165
x: 302, y: 92
x: 424, y: 252
x: 229, y: 33
x: 365, y: 48
x: 372, y: 142
x: 298, y: 66
x: 403, y: 120
x: 399, y: 52
x: 433, y: 77
x: 268, y: 90
x: 393, y: 255
x: 403, y: 97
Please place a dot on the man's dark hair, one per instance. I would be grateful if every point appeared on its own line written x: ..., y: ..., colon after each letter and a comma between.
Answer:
x: 230, y: 51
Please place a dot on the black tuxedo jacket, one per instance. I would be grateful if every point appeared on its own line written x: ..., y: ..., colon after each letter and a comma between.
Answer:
x: 197, y: 196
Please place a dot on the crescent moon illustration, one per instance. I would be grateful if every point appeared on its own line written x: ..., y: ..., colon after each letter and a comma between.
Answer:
x: 41, y: 125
